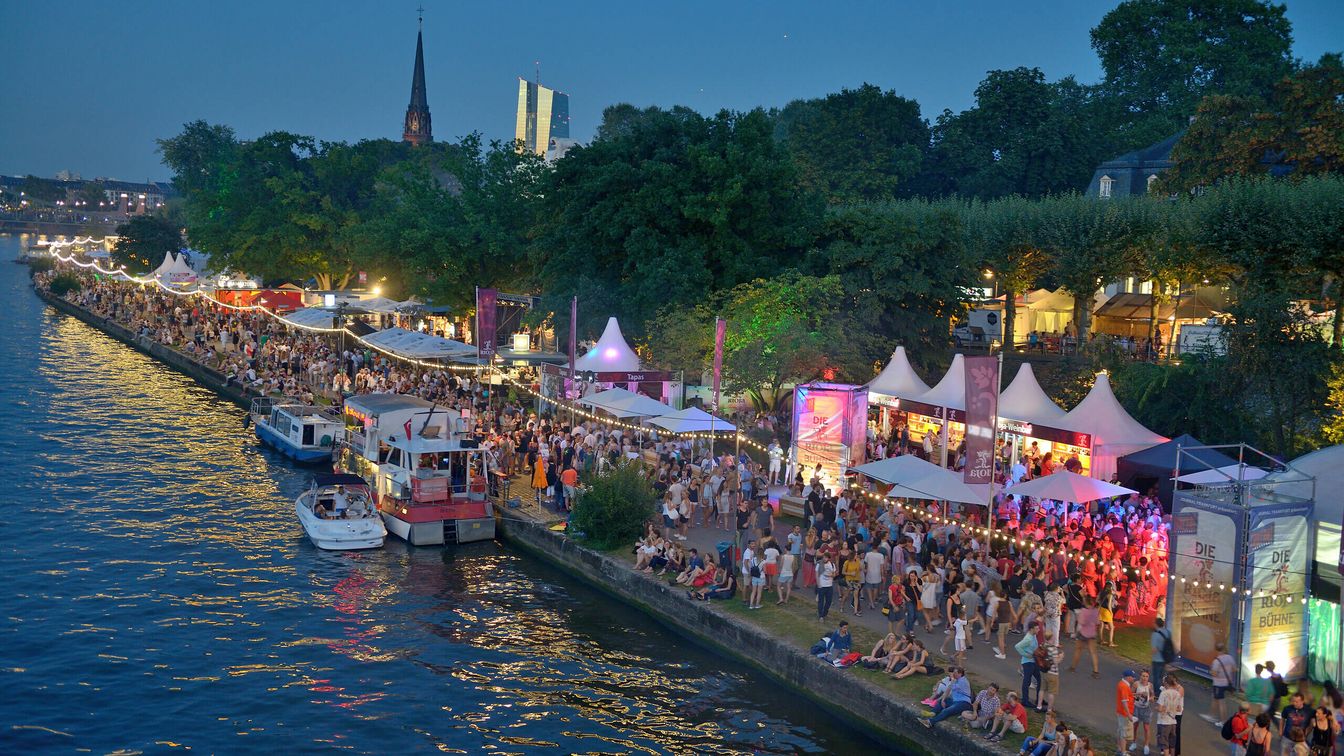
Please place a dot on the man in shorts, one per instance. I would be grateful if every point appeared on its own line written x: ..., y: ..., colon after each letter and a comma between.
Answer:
x: 1170, y: 703
x: 1012, y: 717
x: 1124, y: 711
x: 874, y: 578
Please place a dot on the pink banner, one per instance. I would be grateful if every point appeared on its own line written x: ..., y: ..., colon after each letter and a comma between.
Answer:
x: 486, y: 299
x: 573, y: 334
x: 982, y: 409
x: 720, y: 329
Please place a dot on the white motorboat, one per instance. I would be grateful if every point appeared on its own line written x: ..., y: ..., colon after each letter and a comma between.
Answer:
x: 337, y: 514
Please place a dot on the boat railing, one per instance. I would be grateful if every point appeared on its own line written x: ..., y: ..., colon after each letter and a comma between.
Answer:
x: 261, y: 406
x: 441, y: 490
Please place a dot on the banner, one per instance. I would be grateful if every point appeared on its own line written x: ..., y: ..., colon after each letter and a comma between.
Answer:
x: 829, y: 430
x: 720, y: 329
x: 982, y: 410
x: 1278, y: 550
x: 486, y: 299
x: 573, y: 334
x: 1204, y: 556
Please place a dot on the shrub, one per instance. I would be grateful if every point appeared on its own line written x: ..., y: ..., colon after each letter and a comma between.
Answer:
x: 40, y: 263
x: 613, y: 510
x: 64, y: 283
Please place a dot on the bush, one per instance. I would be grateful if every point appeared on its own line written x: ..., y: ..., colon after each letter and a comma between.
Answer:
x: 64, y: 283
x: 613, y: 510
x: 40, y: 264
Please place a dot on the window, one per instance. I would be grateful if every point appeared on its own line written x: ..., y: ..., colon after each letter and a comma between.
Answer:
x: 1104, y: 187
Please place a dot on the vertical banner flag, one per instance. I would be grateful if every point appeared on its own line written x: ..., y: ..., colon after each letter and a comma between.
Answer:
x: 1279, y: 558
x: 720, y: 328
x: 573, y: 334
x: 982, y: 409
x: 486, y: 300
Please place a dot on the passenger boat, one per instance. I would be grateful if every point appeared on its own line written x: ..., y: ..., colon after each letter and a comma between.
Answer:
x: 303, y: 432
x: 426, y: 471
x: 338, y: 514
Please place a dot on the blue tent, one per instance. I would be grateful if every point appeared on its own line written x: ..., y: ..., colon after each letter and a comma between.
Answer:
x: 1154, y: 465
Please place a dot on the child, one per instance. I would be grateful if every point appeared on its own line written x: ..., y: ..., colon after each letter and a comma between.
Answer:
x: 959, y: 631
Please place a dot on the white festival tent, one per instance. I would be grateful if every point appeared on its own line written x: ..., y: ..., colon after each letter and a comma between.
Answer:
x: 165, y: 267
x: 898, y: 379
x: 693, y: 420
x: 1114, y: 433
x: 420, y: 346
x: 637, y: 406
x: 1226, y: 475
x: 602, y: 398
x: 1066, y: 486
x: 181, y: 272
x: 913, y: 478
x: 381, y: 305
x: 1024, y: 400
x: 311, y: 317
x: 611, y: 355
x: 950, y: 391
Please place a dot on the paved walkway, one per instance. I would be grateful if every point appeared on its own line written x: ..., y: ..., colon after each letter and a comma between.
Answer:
x: 1081, y: 699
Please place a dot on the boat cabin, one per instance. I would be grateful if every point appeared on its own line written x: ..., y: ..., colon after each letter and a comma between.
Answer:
x: 303, y: 432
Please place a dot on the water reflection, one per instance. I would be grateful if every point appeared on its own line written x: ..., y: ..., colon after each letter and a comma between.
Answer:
x: 161, y: 596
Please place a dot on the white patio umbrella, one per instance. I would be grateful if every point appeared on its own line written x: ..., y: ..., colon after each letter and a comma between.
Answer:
x: 1068, y: 487
x: 636, y: 405
x: 692, y: 420
x: 914, y: 478
x: 1226, y: 475
x: 604, y: 398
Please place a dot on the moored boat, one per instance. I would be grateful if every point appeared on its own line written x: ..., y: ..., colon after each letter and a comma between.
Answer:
x: 303, y: 432
x: 338, y: 514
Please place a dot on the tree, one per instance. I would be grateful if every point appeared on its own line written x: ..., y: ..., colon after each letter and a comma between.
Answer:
x: 856, y: 145
x: 663, y: 208
x: 93, y: 193
x: 1001, y: 239
x: 143, y: 241
x: 1161, y: 57
x: 201, y: 158
x: 1297, y: 129
x: 612, y: 512
x: 1024, y: 136
x: 1082, y: 237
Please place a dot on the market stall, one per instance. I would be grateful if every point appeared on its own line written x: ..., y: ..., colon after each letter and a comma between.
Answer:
x: 897, y: 381
x: 1030, y: 424
x: 940, y: 413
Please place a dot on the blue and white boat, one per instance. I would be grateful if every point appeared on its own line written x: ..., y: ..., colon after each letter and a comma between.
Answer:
x: 305, y: 433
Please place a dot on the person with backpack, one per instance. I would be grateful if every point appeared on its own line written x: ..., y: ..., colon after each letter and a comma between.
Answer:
x: 1259, y: 691
x: 1277, y: 686
x: 1237, y: 729
x: 1164, y: 652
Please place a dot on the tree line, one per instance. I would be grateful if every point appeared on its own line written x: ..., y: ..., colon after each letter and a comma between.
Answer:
x: 834, y: 228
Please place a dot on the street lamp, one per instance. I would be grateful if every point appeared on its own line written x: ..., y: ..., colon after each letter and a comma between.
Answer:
x: 989, y: 276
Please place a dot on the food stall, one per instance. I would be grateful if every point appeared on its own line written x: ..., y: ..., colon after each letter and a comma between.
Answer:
x: 1027, y: 416
x: 1110, y: 431
x: 896, y: 383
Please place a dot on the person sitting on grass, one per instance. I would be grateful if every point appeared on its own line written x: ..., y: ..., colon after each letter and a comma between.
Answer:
x: 900, y: 657
x: 836, y: 644
x: 694, y: 569
x: 884, y: 649
x: 724, y: 586
x: 984, y: 708
x: 918, y: 662
x: 1011, y: 717
x: 1050, y: 735
x: 956, y: 700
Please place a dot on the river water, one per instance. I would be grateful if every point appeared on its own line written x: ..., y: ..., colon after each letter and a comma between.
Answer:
x: 159, y: 594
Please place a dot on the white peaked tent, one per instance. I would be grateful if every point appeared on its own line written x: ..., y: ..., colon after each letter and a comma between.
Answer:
x: 181, y: 272
x: 950, y: 391
x: 1024, y: 400
x: 692, y: 420
x: 913, y: 478
x: 1114, y: 432
x: 611, y: 355
x: 898, y: 379
x: 165, y: 267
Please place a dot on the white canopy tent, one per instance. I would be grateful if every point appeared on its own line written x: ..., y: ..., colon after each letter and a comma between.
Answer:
x: 1114, y: 432
x: 1025, y: 400
x: 1226, y: 475
x: 898, y: 379
x: 419, y: 346
x: 914, y: 478
x: 692, y: 420
x: 602, y: 398
x: 380, y: 305
x: 311, y: 317
x: 637, y: 406
x: 611, y: 355
x: 165, y: 267
x: 950, y: 391
x: 181, y: 272
x: 1066, y: 486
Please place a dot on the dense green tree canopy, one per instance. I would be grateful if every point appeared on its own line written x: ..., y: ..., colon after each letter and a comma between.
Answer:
x: 143, y: 241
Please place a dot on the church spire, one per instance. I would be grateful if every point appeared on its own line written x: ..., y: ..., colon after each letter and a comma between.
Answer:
x: 418, y: 129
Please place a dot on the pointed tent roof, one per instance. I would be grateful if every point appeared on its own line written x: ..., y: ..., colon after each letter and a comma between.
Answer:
x: 181, y: 271
x: 1025, y: 400
x: 611, y: 354
x: 169, y: 260
x: 898, y: 378
x: 951, y: 390
x: 1114, y: 432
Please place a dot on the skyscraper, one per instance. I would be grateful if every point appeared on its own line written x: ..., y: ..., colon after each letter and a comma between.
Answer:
x: 417, y: 129
x: 543, y: 116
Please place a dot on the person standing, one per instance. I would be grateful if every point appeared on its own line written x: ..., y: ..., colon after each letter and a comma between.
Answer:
x: 1258, y: 692
x: 825, y: 584
x: 1124, y: 711
x: 776, y: 461
x: 1087, y: 626
x: 1296, y: 715
x: 1026, y: 651
x: 1170, y: 704
x: 1160, y: 644
x: 1223, y: 670
x: 1260, y: 739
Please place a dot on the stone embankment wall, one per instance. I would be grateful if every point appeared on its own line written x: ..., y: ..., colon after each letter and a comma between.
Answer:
x: 206, y: 376
x: 876, y: 710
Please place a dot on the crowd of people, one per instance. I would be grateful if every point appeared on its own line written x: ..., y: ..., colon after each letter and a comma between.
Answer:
x: 1067, y: 576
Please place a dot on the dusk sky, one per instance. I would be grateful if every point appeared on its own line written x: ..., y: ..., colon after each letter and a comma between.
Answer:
x: 89, y: 86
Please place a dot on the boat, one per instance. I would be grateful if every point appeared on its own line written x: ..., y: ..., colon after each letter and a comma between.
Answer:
x: 338, y: 514
x: 424, y: 466
x: 305, y: 433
